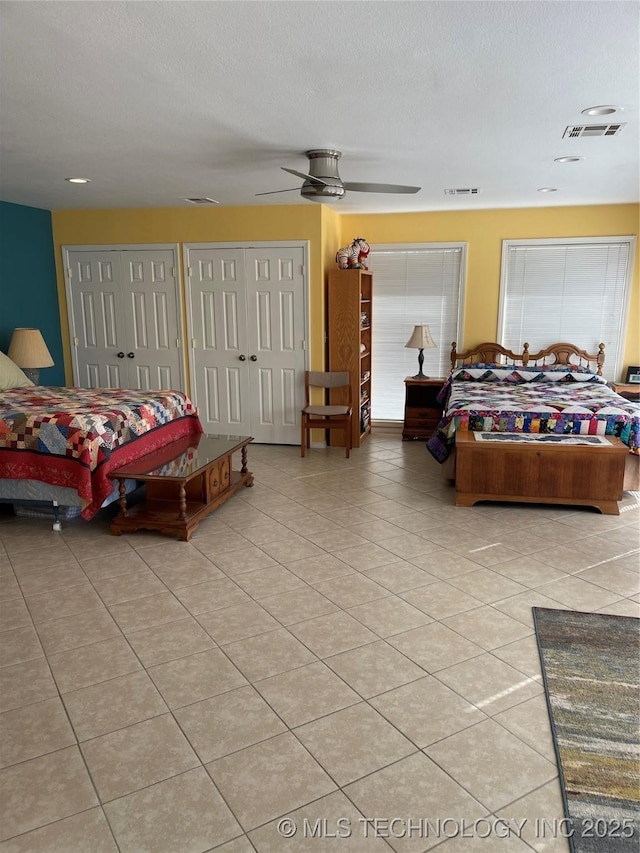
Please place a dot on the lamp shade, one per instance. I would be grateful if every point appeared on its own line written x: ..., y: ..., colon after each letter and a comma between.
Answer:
x: 420, y: 338
x: 28, y: 349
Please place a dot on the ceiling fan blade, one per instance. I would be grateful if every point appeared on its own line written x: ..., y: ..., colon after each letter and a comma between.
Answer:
x: 303, y: 176
x: 380, y: 188
x: 273, y: 192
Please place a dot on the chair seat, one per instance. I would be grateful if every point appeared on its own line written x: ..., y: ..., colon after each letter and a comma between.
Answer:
x: 326, y: 410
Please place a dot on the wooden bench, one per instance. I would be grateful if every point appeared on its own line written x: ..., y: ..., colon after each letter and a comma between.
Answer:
x: 539, y: 472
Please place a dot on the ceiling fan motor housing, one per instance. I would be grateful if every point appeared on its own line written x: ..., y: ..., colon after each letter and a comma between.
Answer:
x: 323, y: 164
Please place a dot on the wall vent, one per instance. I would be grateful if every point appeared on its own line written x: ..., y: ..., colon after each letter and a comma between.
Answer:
x: 576, y: 130
x: 203, y: 200
x: 463, y: 191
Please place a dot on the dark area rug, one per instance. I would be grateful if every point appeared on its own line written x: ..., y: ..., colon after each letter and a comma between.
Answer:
x: 591, y: 670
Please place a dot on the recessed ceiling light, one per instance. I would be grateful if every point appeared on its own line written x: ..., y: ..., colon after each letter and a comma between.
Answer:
x: 547, y: 190
x: 78, y: 180
x: 568, y: 159
x: 604, y: 110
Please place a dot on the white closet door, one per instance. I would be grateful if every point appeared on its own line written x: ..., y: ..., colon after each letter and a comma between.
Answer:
x: 95, y: 319
x: 152, y: 320
x: 275, y: 319
x: 220, y: 353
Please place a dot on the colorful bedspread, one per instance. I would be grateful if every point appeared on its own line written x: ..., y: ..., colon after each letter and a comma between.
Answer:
x: 74, y: 437
x: 532, y: 400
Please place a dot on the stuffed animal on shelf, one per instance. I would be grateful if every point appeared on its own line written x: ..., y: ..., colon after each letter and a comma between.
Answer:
x: 354, y: 256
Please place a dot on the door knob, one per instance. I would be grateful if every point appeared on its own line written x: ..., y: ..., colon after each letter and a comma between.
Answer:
x: 242, y: 358
x: 131, y: 355
x: 120, y: 355
x: 254, y: 358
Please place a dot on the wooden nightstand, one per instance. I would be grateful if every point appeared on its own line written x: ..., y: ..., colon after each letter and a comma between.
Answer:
x: 627, y: 390
x: 421, y: 411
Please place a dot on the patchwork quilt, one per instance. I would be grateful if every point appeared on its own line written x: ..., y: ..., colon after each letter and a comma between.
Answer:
x: 74, y: 437
x: 571, y: 400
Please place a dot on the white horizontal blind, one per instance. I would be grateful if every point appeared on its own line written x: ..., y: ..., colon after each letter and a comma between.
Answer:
x: 411, y: 286
x: 572, y: 291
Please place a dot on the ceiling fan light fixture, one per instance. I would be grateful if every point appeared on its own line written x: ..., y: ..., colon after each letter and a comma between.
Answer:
x: 568, y: 159
x: 78, y: 180
x: 602, y: 110
x: 548, y: 190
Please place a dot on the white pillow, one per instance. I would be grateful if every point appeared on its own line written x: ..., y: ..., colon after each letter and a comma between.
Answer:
x: 11, y: 376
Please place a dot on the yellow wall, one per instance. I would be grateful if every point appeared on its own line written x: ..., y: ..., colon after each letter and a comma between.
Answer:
x: 326, y: 230
x: 484, y: 231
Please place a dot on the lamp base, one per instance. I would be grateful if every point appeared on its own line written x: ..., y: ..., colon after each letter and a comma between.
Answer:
x: 421, y: 375
x: 32, y: 373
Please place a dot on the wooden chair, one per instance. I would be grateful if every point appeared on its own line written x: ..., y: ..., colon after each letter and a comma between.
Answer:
x: 326, y: 417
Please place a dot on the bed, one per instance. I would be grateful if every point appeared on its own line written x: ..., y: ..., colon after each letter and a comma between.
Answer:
x: 558, y: 390
x: 59, y: 444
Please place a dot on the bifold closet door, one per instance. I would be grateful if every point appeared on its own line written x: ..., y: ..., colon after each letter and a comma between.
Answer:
x: 124, y: 319
x: 246, y: 314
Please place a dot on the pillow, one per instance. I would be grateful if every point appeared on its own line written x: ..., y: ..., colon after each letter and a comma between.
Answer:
x: 11, y: 376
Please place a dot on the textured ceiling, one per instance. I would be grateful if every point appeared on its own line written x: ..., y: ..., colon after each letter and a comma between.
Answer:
x: 158, y: 101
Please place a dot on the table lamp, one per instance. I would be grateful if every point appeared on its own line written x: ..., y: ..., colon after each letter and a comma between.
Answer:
x: 29, y: 351
x: 420, y: 339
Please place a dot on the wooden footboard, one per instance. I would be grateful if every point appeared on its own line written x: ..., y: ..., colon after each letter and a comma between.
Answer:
x: 535, y: 472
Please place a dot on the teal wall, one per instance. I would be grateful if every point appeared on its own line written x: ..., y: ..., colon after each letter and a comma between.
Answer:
x: 28, y: 290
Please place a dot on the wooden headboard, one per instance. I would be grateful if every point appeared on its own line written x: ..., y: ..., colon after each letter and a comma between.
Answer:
x: 560, y: 353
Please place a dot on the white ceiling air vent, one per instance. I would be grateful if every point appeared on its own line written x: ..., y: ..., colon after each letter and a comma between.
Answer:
x: 576, y: 130
x: 463, y: 191
x: 203, y: 200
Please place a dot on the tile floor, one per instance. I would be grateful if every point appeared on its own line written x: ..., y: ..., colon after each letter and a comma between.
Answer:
x: 338, y: 646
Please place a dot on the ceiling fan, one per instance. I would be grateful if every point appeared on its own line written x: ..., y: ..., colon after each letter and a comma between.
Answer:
x: 323, y: 183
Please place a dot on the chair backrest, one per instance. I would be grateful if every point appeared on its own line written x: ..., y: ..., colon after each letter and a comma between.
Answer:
x: 326, y: 379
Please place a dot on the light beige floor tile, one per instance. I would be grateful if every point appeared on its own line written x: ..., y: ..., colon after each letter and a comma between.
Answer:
x: 441, y: 599
x: 530, y: 722
x: 55, y: 554
x: 490, y: 684
x: 194, y: 678
x: 527, y: 571
x: 18, y: 645
x: 182, y: 813
x: 374, y: 668
x: 25, y: 683
x: 270, y: 581
x: 48, y: 580
x: 367, y: 556
x: 323, y: 826
x: 445, y: 564
x: 101, y: 568
x: 321, y: 568
x: 612, y: 578
x: 42, y: 790
x: 88, y: 830
x: 243, y: 560
x: 567, y: 558
x: 487, y: 627
x: 32, y: 731
x: 329, y: 635
x: 353, y: 519
x: 76, y: 668
x: 477, y: 837
x: 238, y: 845
x: 579, y: 594
x: 81, y: 629
x: 188, y: 572
x: 387, y: 509
x: 353, y: 742
x: 411, y: 790
x: 351, y: 590
x: 520, y: 606
x: 602, y: 547
x: 269, y: 654
x: 238, y: 622
x: 522, y: 655
x: 223, y: 724
x: 389, y: 616
x: 297, y: 605
x: 119, y: 548
x: 624, y: 607
x: 487, y: 585
x: 212, y: 595
x: 13, y: 614
x: 172, y: 554
x: 102, y: 708
x: 63, y: 602
x: 493, y: 765
x: 373, y: 529
x: 542, y: 814
x: 295, y: 779
x: 10, y: 589
x: 426, y: 710
x: 129, y: 587
x: 140, y: 755
x: 170, y: 641
x: 306, y: 693
x: 292, y: 549
x: 400, y: 577
x: 434, y: 646
x: 310, y: 522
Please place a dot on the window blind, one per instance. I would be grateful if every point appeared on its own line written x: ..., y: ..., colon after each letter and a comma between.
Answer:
x: 411, y: 286
x: 574, y: 291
